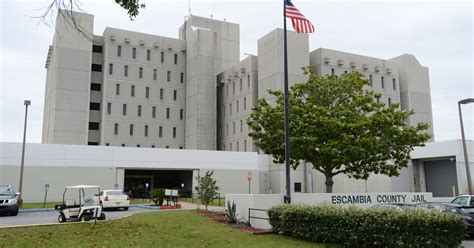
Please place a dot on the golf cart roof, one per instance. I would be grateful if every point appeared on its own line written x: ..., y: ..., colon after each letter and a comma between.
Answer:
x: 82, y: 187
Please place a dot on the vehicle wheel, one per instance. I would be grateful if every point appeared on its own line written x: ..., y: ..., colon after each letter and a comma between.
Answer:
x: 61, y: 218
x: 84, y: 218
x: 15, y: 213
x: 126, y: 209
x: 102, y: 216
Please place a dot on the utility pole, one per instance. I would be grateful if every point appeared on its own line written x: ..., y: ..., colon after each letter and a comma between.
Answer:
x: 464, y: 146
x: 20, y: 187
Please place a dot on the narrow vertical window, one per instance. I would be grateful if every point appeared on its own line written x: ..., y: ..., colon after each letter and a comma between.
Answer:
x: 140, y: 72
x: 248, y: 81
x: 230, y: 146
x: 168, y: 76
x: 138, y: 145
x: 146, y: 130
x: 230, y: 108
x: 117, y: 89
x: 162, y: 57
x: 139, y: 111
x: 175, y: 95
x: 119, y: 50
x: 245, y: 103
x: 155, y: 74
x: 238, y: 146
x: 153, y: 112
x: 394, y: 85
x: 382, y: 82
x: 233, y: 129
x: 111, y: 69
x: 161, y: 94
x: 181, y: 78
x: 116, y: 129
x: 132, y: 90
x: 167, y: 113
x: 148, y: 55
x: 237, y: 106
x: 124, y: 109
x: 370, y: 80
x: 109, y: 108
x: 175, y: 59
x: 241, y: 125
x: 131, y: 130
x: 223, y: 110
x: 125, y: 71
x: 241, y: 84
x: 245, y: 145
x: 181, y: 114
x: 390, y: 102
x: 332, y: 71
x: 227, y: 129
x: 174, y: 132
x: 147, y: 92
x: 160, y: 131
x: 227, y: 90
x: 233, y: 88
x: 134, y: 53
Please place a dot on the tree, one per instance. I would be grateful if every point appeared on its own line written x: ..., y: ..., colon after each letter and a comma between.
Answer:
x: 338, y: 127
x: 207, y: 188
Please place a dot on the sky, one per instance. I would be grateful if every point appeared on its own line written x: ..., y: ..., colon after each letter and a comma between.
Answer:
x: 439, y: 34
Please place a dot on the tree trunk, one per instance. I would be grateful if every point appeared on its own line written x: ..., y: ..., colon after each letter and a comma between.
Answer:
x: 329, y: 183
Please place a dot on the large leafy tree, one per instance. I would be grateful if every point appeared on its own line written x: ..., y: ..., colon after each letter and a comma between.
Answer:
x: 338, y: 127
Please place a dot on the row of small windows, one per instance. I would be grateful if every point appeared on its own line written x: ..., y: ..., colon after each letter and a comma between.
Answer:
x: 140, y: 73
x: 371, y: 81
x: 233, y: 125
x: 237, y: 106
x: 237, y: 146
x: 138, y: 145
x: 233, y: 87
x: 148, y: 54
x: 147, y: 92
x: 139, y: 111
x: 131, y: 130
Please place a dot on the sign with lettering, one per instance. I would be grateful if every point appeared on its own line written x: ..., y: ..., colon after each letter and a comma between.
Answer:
x: 364, y: 199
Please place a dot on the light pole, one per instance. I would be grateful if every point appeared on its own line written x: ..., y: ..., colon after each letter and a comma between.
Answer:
x: 20, y: 187
x: 466, y: 160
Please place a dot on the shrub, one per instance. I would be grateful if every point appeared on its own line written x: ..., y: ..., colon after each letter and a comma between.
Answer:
x: 231, y: 212
x: 355, y: 227
x: 157, y: 195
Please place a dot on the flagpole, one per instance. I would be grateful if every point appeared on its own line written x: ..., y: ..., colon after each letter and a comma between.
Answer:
x: 287, y: 115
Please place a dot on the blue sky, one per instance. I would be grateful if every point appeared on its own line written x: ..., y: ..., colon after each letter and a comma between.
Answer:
x: 439, y: 34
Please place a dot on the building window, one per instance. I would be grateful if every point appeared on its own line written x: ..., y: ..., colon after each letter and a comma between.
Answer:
x: 134, y: 53
x: 146, y: 130
x: 227, y: 129
x: 168, y: 76
x: 94, y: 106
x: 109, y: 108
x: 237, y: 107
x: 223, y: 147
x: 371, y: 82
x: 96, y: 67
x: 119, y: 50
x: 241, y: 84
x: 390, y: 102
x: 383, y: 82
x: 131, y: 129
x: 181, y: 114
x: 223, y: 110
x: 167, y: 113
x: 107, y: 144
x: 174, y: 132
x: 155, y: 74
x: 167, y: 147
x: 117, y: 89
x: 245, y: 145
x: 297, y: 187
x: 123, y: 145
x: 93, y: 126
x: 233, y: 129
x: 332, y: 71
x: 233, y: 88
x: 111, y: 69
x: 227, y: 90
x: 139, y: 110
x: 132, y: 90
x: 176, y: 59
x: 248, y: 81
x: 230, y: 146
x: 241, y: 125
x: 180, y: 147
x: 96, y: 49
x: 394, y: 85
x: 96, y: 87
x: 92, y: 143
x: 152, y: 146
x: 147, y: 92
x: 140, y: 72
x: 161, y: 94
x: 116, y: 129
x: 160, y: 131
x: 181, y: 77
x: 245, y: 103
x: 238, y: 146
x: 230, y: 108
x: 124, y: 109
x: 162, y: 57
x: 175, y: 95
x: 125, y: 71
x: 148, y: 55
x: 153, y: 112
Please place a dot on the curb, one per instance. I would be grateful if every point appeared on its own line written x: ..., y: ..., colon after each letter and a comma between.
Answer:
x: 36, y: 210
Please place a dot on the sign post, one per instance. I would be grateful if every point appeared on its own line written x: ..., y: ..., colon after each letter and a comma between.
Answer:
x: 46, y: 187
x: 249, y: 178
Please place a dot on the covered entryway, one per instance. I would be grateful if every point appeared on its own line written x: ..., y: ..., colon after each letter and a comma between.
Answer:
x: 139, y: 182
x: 440, y: 176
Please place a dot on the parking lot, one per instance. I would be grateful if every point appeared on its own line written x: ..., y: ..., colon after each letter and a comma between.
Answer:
x: 51, y: 217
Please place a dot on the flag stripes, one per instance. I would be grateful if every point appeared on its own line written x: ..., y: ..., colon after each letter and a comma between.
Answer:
x: 300, y: 23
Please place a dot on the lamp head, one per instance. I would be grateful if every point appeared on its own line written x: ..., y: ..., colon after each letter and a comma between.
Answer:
x: 466, y: 101
x: 27, y: 102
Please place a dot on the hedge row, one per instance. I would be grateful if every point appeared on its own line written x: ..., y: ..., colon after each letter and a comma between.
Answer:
x: 355, y: 227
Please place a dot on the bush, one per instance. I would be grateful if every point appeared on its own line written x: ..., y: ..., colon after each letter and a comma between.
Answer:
x: 157, y: 195
x: 355, y: 227
x: 231, y: 212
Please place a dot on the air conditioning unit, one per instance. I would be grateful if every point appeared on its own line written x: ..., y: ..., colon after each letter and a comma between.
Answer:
x: 242, y: 70
x: 327, y: 60
x: 365, y: 67
x: 377, y: 69
x: 156, y: 45
x: 112, y: 37
x: 353, y: 65
x: 142, y: 43
x: 389, y: 70
x: 127, y: 40
x: 340, y: 62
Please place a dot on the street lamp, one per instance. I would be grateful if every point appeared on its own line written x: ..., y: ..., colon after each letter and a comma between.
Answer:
x: 20, y: 187
x: 466, y: 160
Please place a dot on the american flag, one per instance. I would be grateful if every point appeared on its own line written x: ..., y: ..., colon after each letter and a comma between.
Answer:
x: 299, y: 21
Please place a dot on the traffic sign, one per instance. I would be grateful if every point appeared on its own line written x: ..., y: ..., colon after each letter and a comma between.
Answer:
x: 249, y: 176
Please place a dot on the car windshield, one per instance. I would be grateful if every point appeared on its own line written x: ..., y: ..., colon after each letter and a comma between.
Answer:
x: 115, y: 192
x: 6, y: 191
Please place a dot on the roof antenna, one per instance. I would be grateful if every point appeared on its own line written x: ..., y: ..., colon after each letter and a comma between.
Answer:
x: 211, y: 16
x: 189, y: 7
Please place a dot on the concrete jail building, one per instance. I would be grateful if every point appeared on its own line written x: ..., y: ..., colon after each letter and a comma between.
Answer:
x: 142, y: 111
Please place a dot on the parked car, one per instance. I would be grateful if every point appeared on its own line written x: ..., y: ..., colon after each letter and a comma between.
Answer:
x: 8, y: 200
x: 465, y: 200
x: 466, y: 212
x: 397, y: 206
x: 114, y: 199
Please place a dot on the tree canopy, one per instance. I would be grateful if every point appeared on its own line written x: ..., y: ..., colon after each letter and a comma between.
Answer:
x: 338, y: 127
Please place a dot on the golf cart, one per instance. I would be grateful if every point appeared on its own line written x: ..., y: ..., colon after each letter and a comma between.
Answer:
x: 81, y: 209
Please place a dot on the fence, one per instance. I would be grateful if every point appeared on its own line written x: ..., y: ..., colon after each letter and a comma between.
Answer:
x: 257, y: 217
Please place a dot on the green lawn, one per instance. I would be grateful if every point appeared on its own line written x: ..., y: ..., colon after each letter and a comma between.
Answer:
x: 36, y: 205
x: 214, y: 202
x: 153, y: 229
